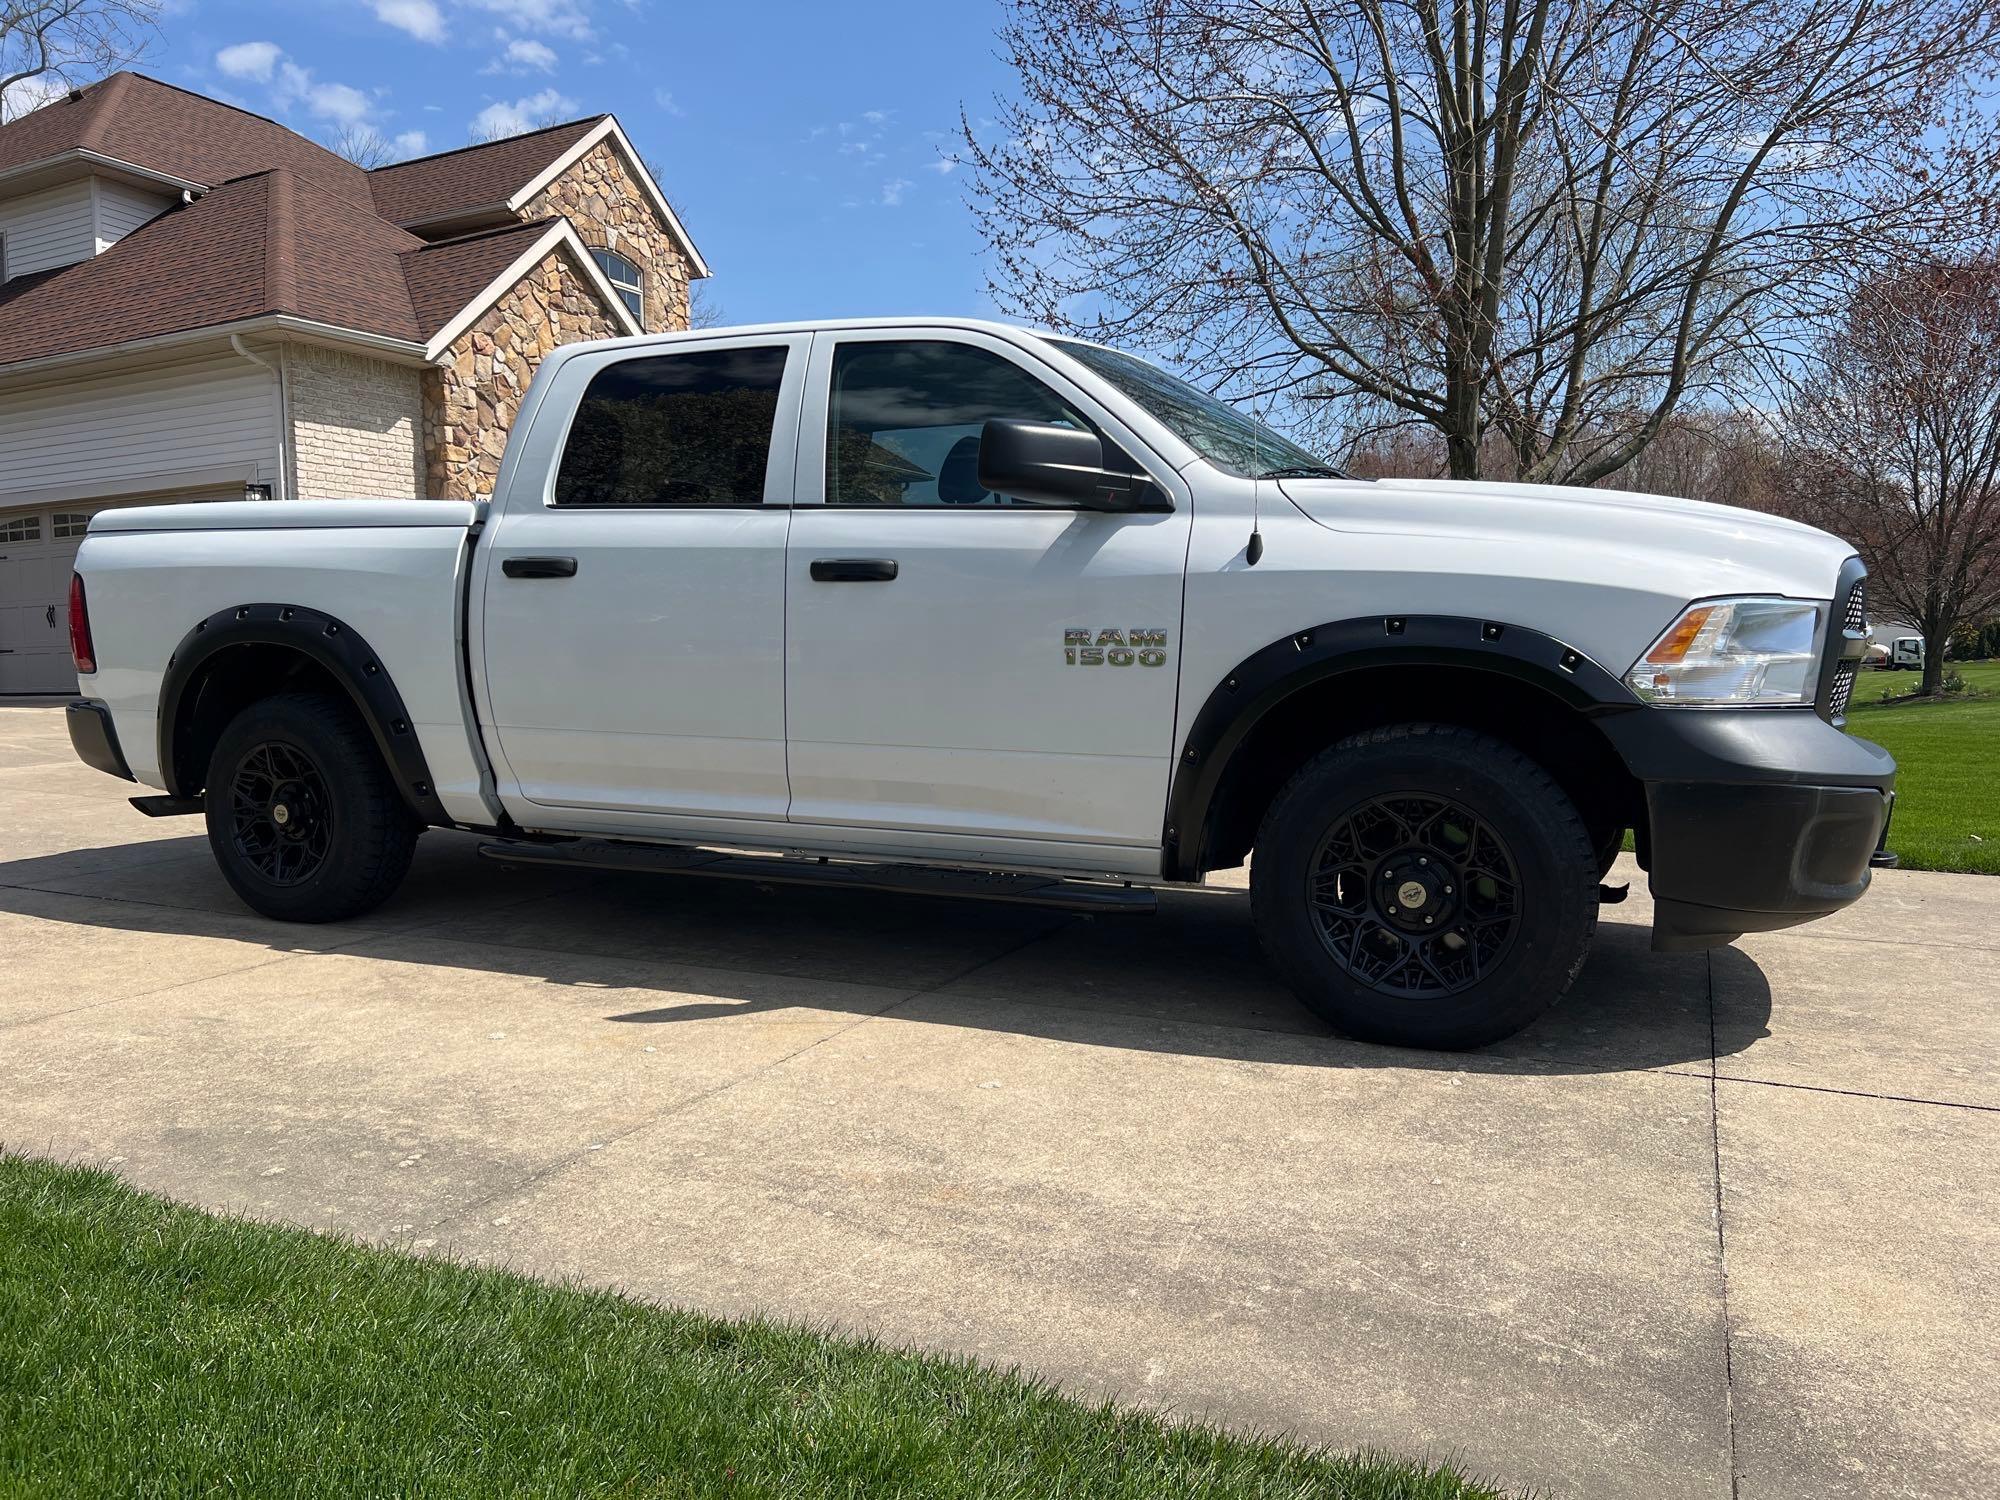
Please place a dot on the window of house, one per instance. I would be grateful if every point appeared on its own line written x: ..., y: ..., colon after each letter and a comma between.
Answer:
x: 65, y: 523
x: 676, y: 429
x: 21, y: 529
x: 625, y: 279
x: 905, y: 419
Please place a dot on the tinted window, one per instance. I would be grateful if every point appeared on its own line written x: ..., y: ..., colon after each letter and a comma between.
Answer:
x: 904, y: 424
x: 1233, y: 442
x: 679, y: 429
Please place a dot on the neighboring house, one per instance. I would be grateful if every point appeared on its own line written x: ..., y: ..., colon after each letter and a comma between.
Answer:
x: 198, y: 304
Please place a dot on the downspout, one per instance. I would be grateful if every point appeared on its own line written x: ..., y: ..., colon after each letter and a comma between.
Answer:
x: 282, y: 490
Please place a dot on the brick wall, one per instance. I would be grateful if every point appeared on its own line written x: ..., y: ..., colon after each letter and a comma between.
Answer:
x: 355, y: 425
x: 470, y: 401
x: 609, y: 208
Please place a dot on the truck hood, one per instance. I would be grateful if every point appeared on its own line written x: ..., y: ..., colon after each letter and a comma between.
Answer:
x: 1716, y: 549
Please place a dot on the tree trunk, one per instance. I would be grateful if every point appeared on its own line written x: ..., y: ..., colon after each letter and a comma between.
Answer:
x: 1935, y: 637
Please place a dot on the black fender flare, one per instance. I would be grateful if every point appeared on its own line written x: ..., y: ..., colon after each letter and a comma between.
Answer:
x: 330, y: 643
x: 1267, y: 677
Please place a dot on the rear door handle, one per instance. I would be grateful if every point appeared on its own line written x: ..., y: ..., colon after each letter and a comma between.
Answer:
x: 853, y: 569
x: 538, y: 567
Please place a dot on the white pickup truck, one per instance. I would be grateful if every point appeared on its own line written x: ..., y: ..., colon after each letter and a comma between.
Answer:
x: 948, y: 606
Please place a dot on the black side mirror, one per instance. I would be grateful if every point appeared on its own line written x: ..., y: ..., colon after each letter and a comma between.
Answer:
x: 1047, y: 465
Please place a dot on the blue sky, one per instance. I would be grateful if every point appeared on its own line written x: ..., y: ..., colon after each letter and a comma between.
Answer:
x: 807, y: 145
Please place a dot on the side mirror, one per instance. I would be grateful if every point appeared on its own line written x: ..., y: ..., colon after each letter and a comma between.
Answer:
x: 1047, y: 465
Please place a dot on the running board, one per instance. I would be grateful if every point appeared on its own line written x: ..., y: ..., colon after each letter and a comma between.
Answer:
x: 908, y: 880
x: 167, y: 807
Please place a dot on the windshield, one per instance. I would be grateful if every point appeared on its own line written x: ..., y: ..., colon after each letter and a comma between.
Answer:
x: 1233, y: 442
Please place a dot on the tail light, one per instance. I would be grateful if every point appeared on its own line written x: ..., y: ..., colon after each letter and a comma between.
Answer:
x: 80, y: 648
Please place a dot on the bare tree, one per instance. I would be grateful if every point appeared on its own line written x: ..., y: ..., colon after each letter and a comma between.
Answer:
x: 363, y: 145
x: 49, y: 45
x: 704, y: 311
x: 1550, y: 222
x: 1894, y: 441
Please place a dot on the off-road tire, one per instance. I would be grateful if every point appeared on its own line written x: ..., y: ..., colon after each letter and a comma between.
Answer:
x: 1515, y: 801
x: 362, y: 836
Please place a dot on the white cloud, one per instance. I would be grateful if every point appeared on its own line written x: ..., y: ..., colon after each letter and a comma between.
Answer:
x: 665, y: 99
x: 339, y: 103
x: 25, y: 95
x: 570, y: 18
x: 875, y: 116
x: 530, y: 113
x: 253, y: 60
x: 293, y: 86
x: 420, y: 18
x: 410, y: 143
x: 893, y: 190
x: 944, y: 166
x: 527, y: 53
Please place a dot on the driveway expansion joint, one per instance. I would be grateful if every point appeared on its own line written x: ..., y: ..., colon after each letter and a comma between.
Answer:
x: 1721, y: 1239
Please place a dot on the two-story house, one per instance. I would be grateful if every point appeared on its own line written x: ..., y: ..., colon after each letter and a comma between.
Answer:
x: 197, y: 303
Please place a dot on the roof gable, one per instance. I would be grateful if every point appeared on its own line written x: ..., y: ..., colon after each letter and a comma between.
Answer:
x: 454, y: 184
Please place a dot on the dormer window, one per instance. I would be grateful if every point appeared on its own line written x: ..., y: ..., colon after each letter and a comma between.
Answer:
x: 625, y: 278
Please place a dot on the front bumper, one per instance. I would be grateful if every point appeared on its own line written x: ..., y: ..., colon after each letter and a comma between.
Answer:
x: 1757, y: 818
x: 94, y: 739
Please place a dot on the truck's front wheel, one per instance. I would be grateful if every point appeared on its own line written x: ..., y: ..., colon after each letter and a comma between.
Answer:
x: 303, y: 818
x: 1426, y: 886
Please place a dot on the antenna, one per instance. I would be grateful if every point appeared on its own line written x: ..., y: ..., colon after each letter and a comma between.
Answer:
x: 1253, y: 553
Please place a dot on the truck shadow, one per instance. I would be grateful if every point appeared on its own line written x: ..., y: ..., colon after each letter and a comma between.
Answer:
x: 1187, y: 980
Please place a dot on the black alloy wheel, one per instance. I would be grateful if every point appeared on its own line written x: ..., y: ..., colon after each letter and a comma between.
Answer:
x: 1425, y: 885
x: 1414, y: 896
x: 281, y: 816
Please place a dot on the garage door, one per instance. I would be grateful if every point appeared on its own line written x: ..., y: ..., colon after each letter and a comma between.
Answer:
x: 37, y: 553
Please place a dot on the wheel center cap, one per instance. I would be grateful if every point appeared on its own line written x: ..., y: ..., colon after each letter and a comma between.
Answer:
x: 1411, y: 894
x: 281, y: 814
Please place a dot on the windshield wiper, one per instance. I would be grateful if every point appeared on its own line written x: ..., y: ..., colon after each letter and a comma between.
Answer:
x: 1303, y: 471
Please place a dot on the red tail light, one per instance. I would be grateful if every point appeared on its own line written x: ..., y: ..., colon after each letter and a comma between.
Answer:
x: 79, y: 627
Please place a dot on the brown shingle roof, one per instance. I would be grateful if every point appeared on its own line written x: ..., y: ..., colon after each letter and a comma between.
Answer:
x: 471, y: 178
x: 273, y: 243
x: 443, y: 277
x: 292, y: 228
x: 154, y: 125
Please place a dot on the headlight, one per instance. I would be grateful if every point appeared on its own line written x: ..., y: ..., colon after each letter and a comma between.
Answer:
x: 1733, y: 651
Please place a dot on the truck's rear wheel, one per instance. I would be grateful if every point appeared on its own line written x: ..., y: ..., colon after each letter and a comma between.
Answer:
x: 303, y: 818
x: 1426, y: 886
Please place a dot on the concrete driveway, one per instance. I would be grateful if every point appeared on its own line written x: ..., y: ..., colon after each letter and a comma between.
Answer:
x: 1720, y: 1224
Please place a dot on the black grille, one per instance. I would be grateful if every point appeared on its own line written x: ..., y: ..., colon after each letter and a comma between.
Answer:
x: 1837, y: 668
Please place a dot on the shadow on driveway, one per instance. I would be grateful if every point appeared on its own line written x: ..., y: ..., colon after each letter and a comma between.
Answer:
x: 1187, y: 980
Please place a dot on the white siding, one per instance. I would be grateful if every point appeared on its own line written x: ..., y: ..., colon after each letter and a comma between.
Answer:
x: 49, y: 228
x: 139, y: 430
x: 122, y: 209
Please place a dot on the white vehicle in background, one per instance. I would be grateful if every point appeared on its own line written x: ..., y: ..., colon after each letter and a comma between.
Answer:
x: 1906, y: 654
x: 940, y: 605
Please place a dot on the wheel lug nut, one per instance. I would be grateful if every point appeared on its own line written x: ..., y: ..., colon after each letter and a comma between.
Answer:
x: 1447, y: 890
x: 1427, y: 921
x: 1392, y: 911
x: 1423, y: 861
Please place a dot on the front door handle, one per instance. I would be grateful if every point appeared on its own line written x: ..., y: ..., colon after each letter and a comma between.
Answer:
x: 539, y: 567
x: 853, y: 569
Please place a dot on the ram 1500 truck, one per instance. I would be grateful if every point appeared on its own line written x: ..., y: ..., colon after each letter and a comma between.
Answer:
x: 943, y: 605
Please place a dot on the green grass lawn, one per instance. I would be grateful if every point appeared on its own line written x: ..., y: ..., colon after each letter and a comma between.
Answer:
x: 149, y: 1349
x: 1948, y: 768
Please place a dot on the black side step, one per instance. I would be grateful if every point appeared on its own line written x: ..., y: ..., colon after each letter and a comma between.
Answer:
x: 910, y: 880
x: 167, y: 807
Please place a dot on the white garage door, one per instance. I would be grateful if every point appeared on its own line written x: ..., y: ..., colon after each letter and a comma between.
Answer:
x: 37, y: 553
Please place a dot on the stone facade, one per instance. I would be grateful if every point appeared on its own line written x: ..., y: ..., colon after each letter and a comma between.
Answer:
x: 608, y: 207
x: 355, y: 423
x: 470, y: 400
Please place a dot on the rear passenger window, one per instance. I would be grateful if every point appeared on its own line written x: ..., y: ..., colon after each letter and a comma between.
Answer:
x: 675, y: 429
